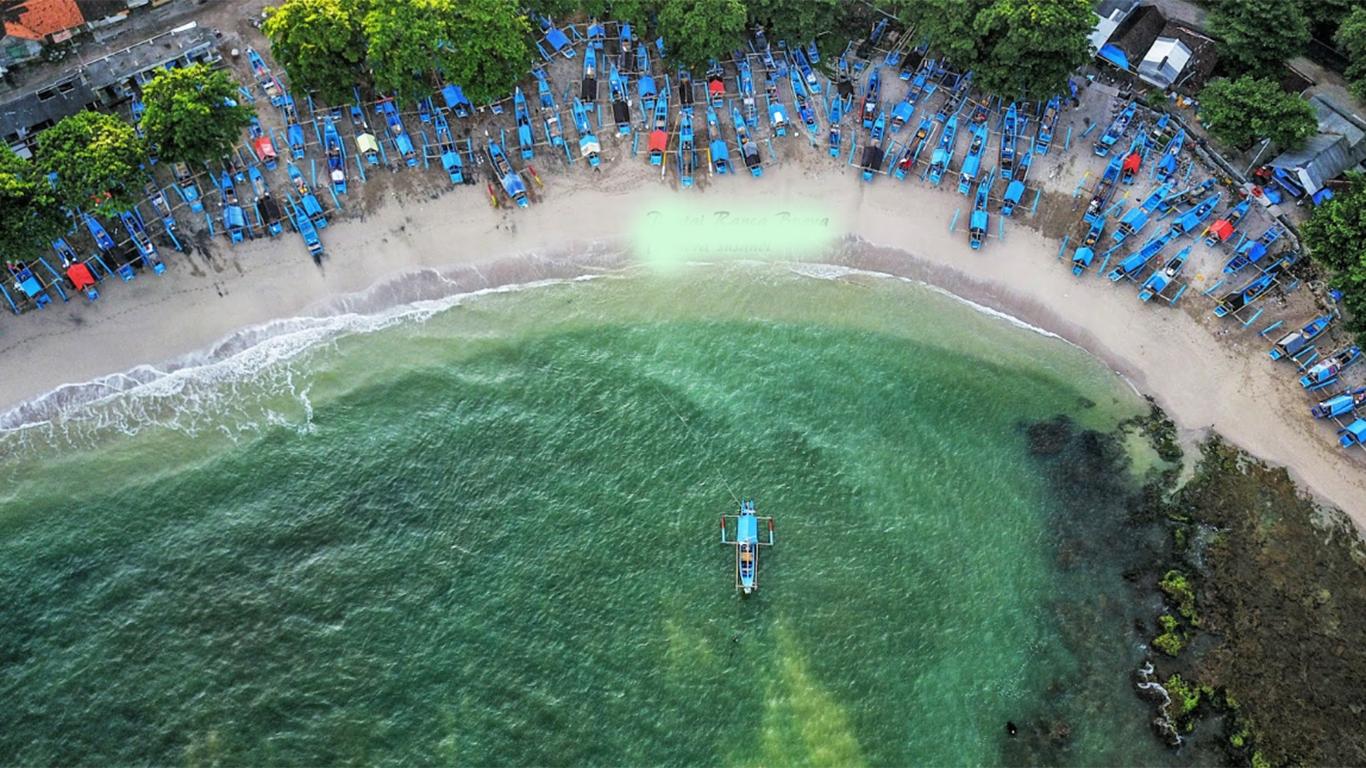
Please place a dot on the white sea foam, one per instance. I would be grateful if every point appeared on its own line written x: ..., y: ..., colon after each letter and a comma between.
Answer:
x: 236, y: 385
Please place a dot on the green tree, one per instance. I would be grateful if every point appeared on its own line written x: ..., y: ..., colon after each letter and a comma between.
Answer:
x: 1257, y: 36
x: 1239, y: 112
x: 30, y: 216
x: 1015, y: 48
x: 192, y: 114
x: 480, y: 44
x: 697, y: 30
x: 1351, y: 38
x: 97, y: 159
x: 1335, y: 235
x: 320, y: 43
x: 796, y: 21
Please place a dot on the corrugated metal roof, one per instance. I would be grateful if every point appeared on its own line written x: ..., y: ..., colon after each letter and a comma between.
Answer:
x: 1323, y: 157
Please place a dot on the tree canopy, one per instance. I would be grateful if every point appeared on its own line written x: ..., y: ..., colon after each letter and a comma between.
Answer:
x: 1014, y: 48
x: 320, y: 43
x: 30, y: 215
x: 1239, y: 112
x: 1257, y: 36
x: 697, y: 30
x: 1351, y: 37
x: 1335, y: 235
x: 797, y: 21
x: 192, y: 114
x: 480, y: 44
x: 97, y: 159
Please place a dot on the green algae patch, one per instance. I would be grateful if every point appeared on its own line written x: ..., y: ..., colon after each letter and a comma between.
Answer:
x: 803, y: 723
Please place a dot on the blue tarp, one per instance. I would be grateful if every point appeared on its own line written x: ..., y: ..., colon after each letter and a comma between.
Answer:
x: 1114, y: 55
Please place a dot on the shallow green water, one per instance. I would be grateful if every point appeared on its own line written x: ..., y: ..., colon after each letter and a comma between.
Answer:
x: 491, y: 538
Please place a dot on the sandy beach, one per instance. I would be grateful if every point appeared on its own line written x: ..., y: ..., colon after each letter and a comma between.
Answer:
x: 1204, y: 375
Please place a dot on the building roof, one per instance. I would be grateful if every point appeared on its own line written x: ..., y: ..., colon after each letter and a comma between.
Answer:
x: 1163, y: 62
x: 1339, y: 145
x: 1109, y: 15
x: 1136, y: 34
x: 37, y: 19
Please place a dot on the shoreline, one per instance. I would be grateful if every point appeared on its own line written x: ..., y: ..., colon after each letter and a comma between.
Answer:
x: 1201, y: 381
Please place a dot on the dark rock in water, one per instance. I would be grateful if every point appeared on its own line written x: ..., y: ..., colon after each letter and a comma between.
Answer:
x: 1011, y: 729
x: 1049, y: 438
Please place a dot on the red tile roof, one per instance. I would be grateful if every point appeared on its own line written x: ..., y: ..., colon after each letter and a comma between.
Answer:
x: 39, y: 18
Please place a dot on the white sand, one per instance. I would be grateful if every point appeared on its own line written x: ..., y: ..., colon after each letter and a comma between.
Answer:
x: 1203, y: 381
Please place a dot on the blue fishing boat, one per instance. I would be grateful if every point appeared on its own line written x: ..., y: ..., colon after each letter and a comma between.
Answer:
x: 267, y: 210
x: 261, y: 144
x: 916, y: 147
x: 777, y: 116
x: 1006, y: 153
x: 589, y: 148
x: 1133, y: 160
x: 943, y: 154
x: 1296, y: 342
x: 525, y: 139
x: 1135, y: 220
x: 621, y: 105
x: 83, y: 276
x: 805, y: 112
x: 308, y: 202
x: 871, y: 97
x: 813, y: 83
x: 1158, y: 281
x: 234, y: 221
x: 972, y: 163
x: 685, y: 90
x: 1184, y: 197
x: 747, y: 541
x: 813, y: 53
x: 716, y: 85
x: 1016, y: 188
x: 871, y: 162
x: 397, y: 134
x: 902, y: 114
x: 270, y: 85
x: 142, y: 241
x: 294, y: 131
x: 588, y: 84
x: 1343, y: 403
x: 645, y: 82
x: 1224, y: 229
x: 1327, y: 371
x: 1139, y: 259
x: 747, y: 93
x: 1086, y: 252
x: 186, y: 186
x: 451, y: 162
x: 511, y: 181
x: 659, y: 136
x: 1194, y: 217
x: 304, y: 226
x: 28, y: 284
x: 687, y: 148
x: 979, y: 222
x: 1353, y: 434
x: 1117, y: 128
x: 98, y: 233
x: 454, y: 97
x: 336, y: 155
x: 716, y: 144
x: 1048, y: 122
x: 1166, y: 167
x: 749, y: 150
x: 1234, y: 301
x: 879, y: 129
x: 544, y: 92
x: 1253, y: 251
x: 836, y: 114
x: 1105, y: 188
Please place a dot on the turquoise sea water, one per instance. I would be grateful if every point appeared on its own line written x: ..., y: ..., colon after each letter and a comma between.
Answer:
x: 491, y: 537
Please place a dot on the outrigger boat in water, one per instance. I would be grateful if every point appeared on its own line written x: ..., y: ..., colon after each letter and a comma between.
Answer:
x: 1158, y: 281
x: 1295, y: 342
x: 747, y: 541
